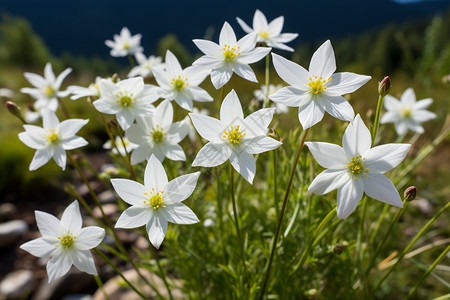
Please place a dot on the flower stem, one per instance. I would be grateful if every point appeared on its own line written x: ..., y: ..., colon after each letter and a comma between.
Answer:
x: 109, y: 262
x: 100, y: 286
x: 161, y: 271
x: 311, y: 241
x: 376, y: 122
x: 275, y: 182
x: 430, y: 269
x: 418, y: 235
x: 280, y: 218
x: 220, y: 211
x: 131, y: 61
x: 266, y: 96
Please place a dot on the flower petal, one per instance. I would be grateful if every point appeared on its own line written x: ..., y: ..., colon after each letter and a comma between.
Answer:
x: 219, y: 77
x: 58, y: 265
x: 244, y: 164
x: 84, y: 262
x: 71, y: 217
x: 329, y: 180
x: 356, y: 140
x: 211, y: 155
x: 130, y: 191
x: 344, y: 83
x: 384, y: 158
x: 180, y: 214
x: 310, y: 114
x: 245, y: 72
x: 338, y: 107
x: 291, y: 96
x: 261, y: 144
x: 38, y: 247
x: 291, y: 72
x: 207, y: 47
x: 328, y: 155
x: 379, y: 187
x: 231, y: 110
x: 157, y: 228
x: 155, y: 176
x: 163, y: 115
x: 89, y: 237
x: 40, y: 158
x: 348, y: 197
x: 227, y: 36
x: 180, y: 188
x: 134, y: 217
x: 323, y: 63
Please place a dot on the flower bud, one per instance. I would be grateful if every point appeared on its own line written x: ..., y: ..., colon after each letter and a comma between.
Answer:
x: 410, y: 193
x: 384, y: 86
x: 15, y: 111
x: 115, y: 78
x: 273, y: 134
x: 114, y: 127
x: 339, y: 248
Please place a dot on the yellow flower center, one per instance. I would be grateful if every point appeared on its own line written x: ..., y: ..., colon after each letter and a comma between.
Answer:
x: 407, y: 112
x: 230, y: 53
x: 234, y: 135
x: 264, y: 34
x: 155, y: 200
x: 51, y: 136
x: 179, y: 83
x: 157, y: 135
x: 126, y: 46
x: 356, y: 166
x: 49, y: 91
x: 125, y: 101
x: 66, y: 241
x: 317, y: 85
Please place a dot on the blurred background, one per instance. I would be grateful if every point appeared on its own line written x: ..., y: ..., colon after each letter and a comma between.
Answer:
x: 408, y: 40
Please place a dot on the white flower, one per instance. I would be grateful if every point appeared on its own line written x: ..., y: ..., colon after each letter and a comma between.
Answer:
x: 230, y: 56
x: 46, y: 90
x: 269, y: 33
x: 317, y: 90
x: 92, y: 90
x: 126, y: 145
x: 407, y: 113
x: 155, y: 134
x: 233, y: 137
x: 126, y: 99
x: 53, y: 139
x: 145, y: 65
x: 156, y: 202
x: 356, y: 168
x: 181, y: 85
x: 260, y: 95
x: 125, y: 44
x: 65, y: 242
x: 7, y: 93
x: 192, y: 134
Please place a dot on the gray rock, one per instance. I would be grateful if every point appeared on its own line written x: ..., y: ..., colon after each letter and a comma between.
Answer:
x: 11, y: 231
x: 107, y: 197
x: 7, y: 211
x: 16, y: 285
x: 110, y: 210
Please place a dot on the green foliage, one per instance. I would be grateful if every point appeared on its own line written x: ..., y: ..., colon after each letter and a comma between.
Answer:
x: 171, y: 42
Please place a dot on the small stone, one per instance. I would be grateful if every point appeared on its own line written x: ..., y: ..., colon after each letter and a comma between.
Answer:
x: 17, y: 285
x: 142, y: 243
x: 77, y: 297
x: 107, y: 197
x: 7, y: 210
x: 109, y: 209
x: 11, y: 231
x: 423, y: 205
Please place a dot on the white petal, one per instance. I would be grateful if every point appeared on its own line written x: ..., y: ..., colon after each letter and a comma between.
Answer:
x: 379, y: 187
x: 180, y: 188
x: 69, y: 128
x: 389, y: 117
x: 383, y: 158
x: 157, y: 228
x: 125, y: 118
x: 256, y: 124
x: 423, y: 104
x: 219, y: 77
x: 423, y: 116
x: 245, y: 72
x: 211, y: 155
x: 140, y: 154
x: 231, y: 110
x: 49, y: 119
x: 323, y: 63
x: 163, y: 115
x: 408, y: 97
x: 58, y: 266
x: 259, y: 20
x: 310, y: 114
x: 291, y: 96
x: 30, y: 140
x: 175, y: 152
x: 227, y: 36
x: 130, y: 191
x: 89, y: 237
x: 348, y: 197
x: 71, y: 217
x: 106, y: 107
x: 244, y: 164
x: 61, y: 77
x: 253, y: 55
x: 173, y: 67
x: 291, y: 72
x: 199, y: 94
x: 138, y: 134
x: 244, y: 25
x: 261, y: 144
x: 344, y: 83
x: 84, y: 262
x: 338, y: 107
x: 134, y: 217
x: 35, y: 79
x: 60, y: 157
x: 155, y: 176
x: 177, y: 132
x: 391, y: 103
x: 40, y: 158
x: 329, y: 180
x: 47, y: 224
x: 48, y: 73
x: 328, y: 155
x: 356, y: 140
x: 73, y: 143
x: 207, y: 47
x: 180, y: 214
x: 276, y: 25
x: 38, y: 247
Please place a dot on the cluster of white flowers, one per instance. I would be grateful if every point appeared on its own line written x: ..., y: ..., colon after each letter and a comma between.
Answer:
x: 152, y: 135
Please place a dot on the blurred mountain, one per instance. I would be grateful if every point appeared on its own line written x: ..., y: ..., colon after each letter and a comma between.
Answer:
x: 81, y: 27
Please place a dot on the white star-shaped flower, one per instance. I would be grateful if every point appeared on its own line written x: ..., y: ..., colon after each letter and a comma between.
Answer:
x: 46, y: 89
x: 407, y: 113
x: 234, y: 137
x: 92, y: 90
x: 156, y: 134
x: 269, y: 33
x: 65, y: 242
x: 125, y: 44
x: 192, y: 134
x: 230, y: 56
x: 260, y: 95
x: 146, y: 65
x: 126, y: 99
x: 156, y: 202
x: 180, y: 84
x: 355, y: 168
x: 124, y: 148
x: 317, y: 90
x: 53, y: 139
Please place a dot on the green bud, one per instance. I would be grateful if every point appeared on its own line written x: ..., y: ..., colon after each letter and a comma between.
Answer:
x: 15, y: 111
x: 410, y: 193
x: 273, y: 134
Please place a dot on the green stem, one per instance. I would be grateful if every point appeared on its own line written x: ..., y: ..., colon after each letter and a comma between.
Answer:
x: 266, y: 96
x: 109, y: 262
x: 220, y: 211
x: 275, y: 183
x: 131, y: 61
x: 64, y: 109
x: 311, y: 241
x: 418, y: 235
x: 430, y: 269
x: 100, y: 286
x: 379, y: 222
x: 381, y: 244
x: 161, y: 271
x: 376, y: 122
x: 280, y: 218
x: 127, y: 154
